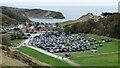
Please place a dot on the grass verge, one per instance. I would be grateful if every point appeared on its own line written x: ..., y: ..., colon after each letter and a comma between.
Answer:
x: 42, y: 57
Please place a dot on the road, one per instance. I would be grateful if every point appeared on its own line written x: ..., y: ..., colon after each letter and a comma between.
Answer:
x: 25, y: 43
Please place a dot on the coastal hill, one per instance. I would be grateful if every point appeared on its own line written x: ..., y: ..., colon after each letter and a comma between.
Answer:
x: 35, y: 13
x: 39, y: 13
x: 12, y: 15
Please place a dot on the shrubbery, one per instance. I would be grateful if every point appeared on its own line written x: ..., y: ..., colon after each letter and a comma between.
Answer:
x: 17, y: 35
x: 5, y: 39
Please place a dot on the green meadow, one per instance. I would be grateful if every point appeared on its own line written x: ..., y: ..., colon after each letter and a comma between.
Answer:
x: 42, y: 57
x: 16, y: 41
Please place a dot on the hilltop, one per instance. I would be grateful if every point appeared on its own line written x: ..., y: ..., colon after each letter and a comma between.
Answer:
x: 89, y: 16
x: 83, y: 18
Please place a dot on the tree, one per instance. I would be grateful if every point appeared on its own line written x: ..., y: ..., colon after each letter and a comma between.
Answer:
x: 56, y: 24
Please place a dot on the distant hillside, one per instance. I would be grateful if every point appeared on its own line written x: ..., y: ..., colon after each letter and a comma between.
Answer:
x: 35, y: 13
x: 88, y: 17
x: 107, y: 25
x: 12, y: 15
x: 39, y: 13
x: 83, y: 18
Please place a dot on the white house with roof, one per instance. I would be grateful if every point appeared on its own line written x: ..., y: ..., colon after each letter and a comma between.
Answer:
x: 21, y: 26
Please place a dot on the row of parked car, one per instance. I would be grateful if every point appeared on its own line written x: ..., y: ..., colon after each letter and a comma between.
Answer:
x: 55, y: 43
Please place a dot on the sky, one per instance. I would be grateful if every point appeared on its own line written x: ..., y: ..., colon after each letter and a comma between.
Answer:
x: 30, y: 3
x: 78, y: 7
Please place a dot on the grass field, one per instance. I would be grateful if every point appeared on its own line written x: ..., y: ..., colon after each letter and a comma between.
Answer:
x: 42, y: 57
x: 98, y: 60
x: 106, y: 55
x: 16, y: 41
x: 67, y: 22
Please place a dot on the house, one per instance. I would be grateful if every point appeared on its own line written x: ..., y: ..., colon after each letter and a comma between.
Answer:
x: 41, y: 25
x: 21, y: 26
x: 12, y: 27
x: 49, y: 29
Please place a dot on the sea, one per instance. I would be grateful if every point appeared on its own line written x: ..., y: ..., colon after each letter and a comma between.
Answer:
x: 74, y: 12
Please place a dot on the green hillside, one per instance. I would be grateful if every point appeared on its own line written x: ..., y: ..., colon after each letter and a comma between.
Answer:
x: 10, y: 16
x: 10, y: 57
x: 107, y: 25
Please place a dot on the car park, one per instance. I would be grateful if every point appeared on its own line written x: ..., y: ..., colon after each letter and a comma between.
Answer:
x: 55, y: 43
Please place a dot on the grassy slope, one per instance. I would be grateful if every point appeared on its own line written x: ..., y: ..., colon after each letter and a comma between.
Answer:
x: 42, y: 57
x: 98, y: 60
x: 8, y: 61
x: 16, y: 41
x: 106, y: 55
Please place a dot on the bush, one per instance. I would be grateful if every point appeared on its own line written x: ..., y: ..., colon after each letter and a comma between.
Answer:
x: 18, y: 35
x: 6, y: 39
